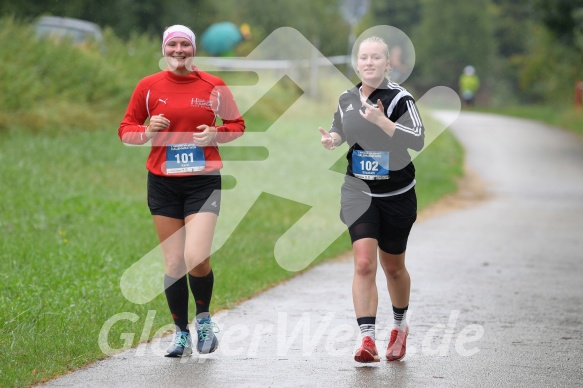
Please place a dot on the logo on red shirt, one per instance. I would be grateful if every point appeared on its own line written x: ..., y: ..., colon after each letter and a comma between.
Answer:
x: 201, y: 103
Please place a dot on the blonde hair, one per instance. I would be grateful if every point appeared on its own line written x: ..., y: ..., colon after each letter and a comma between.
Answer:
x: 377, y: 39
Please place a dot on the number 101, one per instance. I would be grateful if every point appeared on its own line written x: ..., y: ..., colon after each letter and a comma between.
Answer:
x: 184, y: 158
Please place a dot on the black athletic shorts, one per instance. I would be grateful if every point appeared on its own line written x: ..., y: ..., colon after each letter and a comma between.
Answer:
x: 387, y: 219
x: 178, y: 197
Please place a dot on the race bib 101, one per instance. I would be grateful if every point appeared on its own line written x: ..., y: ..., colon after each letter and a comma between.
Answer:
x: 181, y: 158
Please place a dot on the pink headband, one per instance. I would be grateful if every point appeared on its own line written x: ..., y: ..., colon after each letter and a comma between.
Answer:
x: 178, y: 31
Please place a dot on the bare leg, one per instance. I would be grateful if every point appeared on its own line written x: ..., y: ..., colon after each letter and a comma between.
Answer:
x: 200, y: 229
x: 364, y: 288
x: 171, y: 235
x: 398, y: 280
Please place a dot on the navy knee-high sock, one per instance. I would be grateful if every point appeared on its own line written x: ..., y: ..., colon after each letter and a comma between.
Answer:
x: 202, y: 290
x: 177, y: 296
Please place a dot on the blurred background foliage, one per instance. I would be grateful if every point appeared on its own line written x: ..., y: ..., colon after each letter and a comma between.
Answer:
x: 524, y: 51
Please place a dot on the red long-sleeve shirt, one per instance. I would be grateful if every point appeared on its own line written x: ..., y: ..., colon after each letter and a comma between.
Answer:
x: 187, y: 101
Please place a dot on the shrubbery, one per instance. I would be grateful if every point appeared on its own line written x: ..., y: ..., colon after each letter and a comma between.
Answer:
x: 54, y: 86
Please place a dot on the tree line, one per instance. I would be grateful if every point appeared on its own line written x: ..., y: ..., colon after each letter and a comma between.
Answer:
x: 525, y: 51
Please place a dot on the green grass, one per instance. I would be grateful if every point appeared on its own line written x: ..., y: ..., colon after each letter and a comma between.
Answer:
x: 564, y: 116
x: 438, y: 168
x: 48, y: 86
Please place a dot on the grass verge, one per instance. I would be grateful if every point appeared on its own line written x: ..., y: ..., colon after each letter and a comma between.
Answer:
x: 565, y: 117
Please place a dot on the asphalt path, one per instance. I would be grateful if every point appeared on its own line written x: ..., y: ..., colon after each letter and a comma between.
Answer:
x: 496, y: 300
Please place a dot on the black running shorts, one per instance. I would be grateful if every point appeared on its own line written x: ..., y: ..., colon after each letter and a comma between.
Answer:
x: 178, y: 197
x: 386, y: 219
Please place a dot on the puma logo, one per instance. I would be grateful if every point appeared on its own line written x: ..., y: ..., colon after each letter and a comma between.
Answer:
x: 164, y: 101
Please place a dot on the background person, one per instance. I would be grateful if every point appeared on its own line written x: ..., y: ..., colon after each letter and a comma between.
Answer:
x: 184, y: 183
x: 399, y: 70
x: 379, y: 121
x: 469, y: 83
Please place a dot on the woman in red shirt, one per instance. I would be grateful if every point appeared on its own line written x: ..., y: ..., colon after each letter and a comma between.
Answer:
x: 182, y: 104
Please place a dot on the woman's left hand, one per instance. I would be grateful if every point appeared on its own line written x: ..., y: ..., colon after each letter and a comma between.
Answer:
x: 206, y: 136
x: 375, y: 115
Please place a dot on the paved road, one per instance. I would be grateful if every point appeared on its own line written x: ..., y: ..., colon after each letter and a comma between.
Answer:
x: 497, y: 298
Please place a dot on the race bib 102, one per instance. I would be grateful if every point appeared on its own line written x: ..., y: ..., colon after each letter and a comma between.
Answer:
x: 370, y: 165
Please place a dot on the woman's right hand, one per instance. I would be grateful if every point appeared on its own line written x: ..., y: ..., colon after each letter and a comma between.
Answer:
x: 157, y: 123
x: 327, y: 140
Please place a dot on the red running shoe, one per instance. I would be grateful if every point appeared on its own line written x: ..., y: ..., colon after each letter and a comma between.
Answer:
x: 367, y: 351
x: 397, y: 344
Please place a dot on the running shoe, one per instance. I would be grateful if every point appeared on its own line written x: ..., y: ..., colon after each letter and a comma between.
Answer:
x: 397, y: 344
x: 207, y: 341
x: 182, y: 346
x: 367, y: 351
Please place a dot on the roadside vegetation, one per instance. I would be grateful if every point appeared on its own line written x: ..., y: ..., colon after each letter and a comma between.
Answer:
x: 566, y: 116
